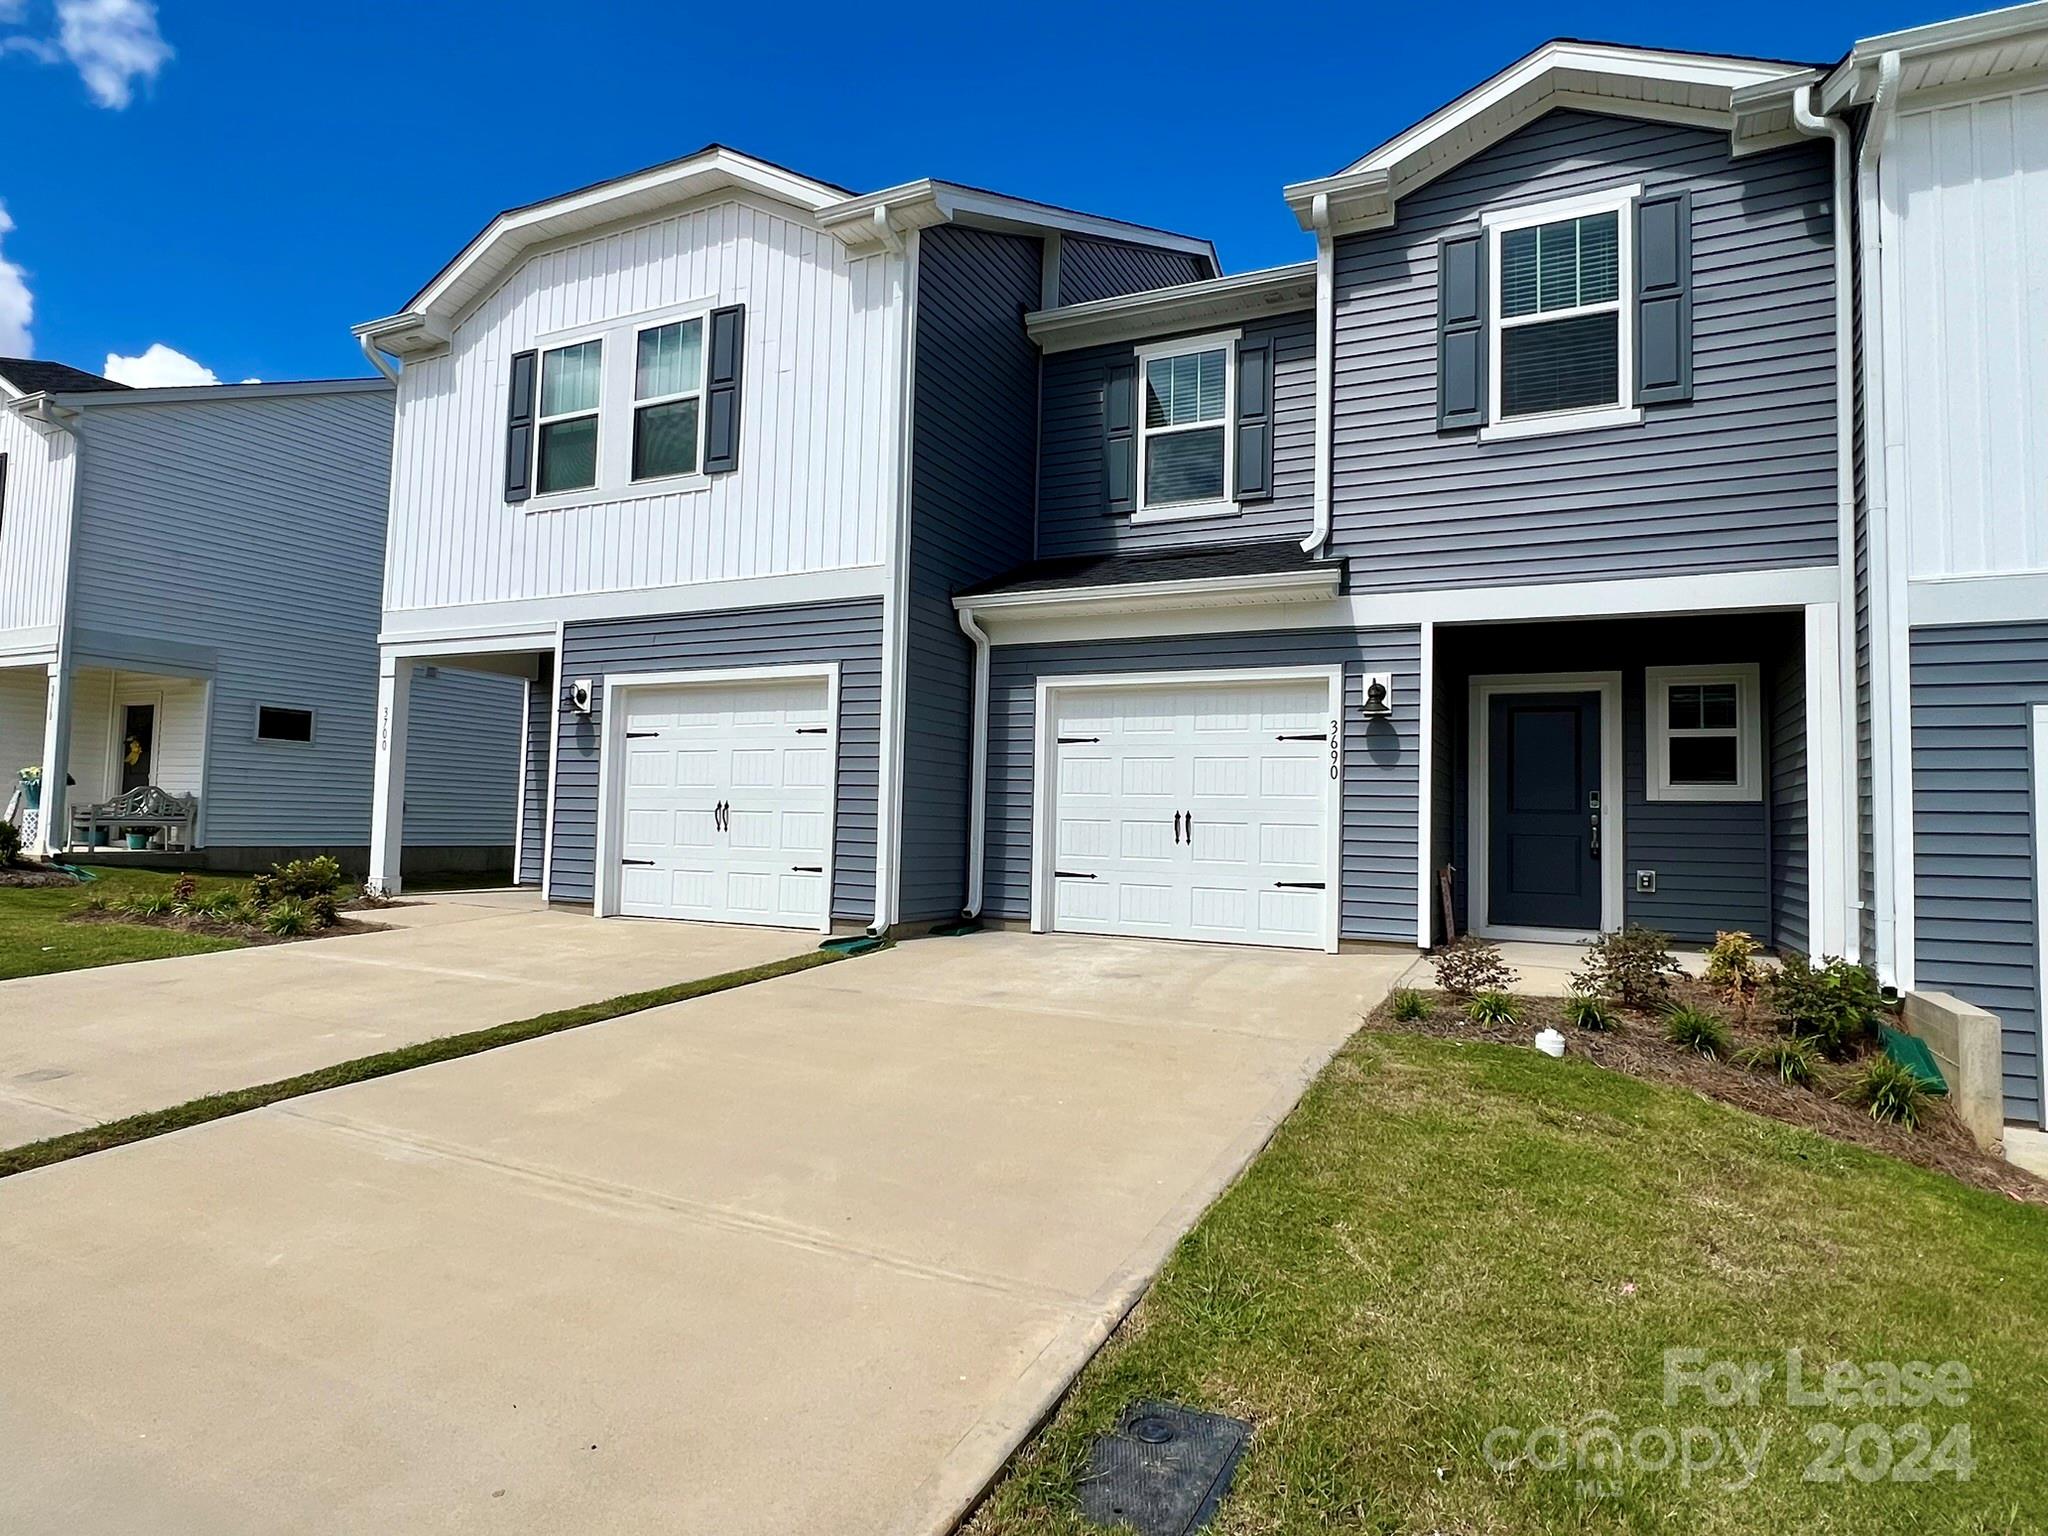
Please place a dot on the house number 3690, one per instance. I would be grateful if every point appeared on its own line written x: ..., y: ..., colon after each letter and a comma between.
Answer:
x: 1335, y: 747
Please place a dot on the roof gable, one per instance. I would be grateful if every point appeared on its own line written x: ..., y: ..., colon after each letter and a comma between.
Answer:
x: 1600, y: 77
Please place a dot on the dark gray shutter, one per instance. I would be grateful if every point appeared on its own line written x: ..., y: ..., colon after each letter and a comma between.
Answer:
x: 519, y: 426
x: 1461, y: 331
x: 1120, y: 437
x: 1664, y: 298
x: 722, y: 390
x: 1255, y: 420
x: 3, y: 492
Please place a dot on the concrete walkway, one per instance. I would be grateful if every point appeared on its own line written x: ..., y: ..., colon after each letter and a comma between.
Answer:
x: 808, y: 1256
x: 85, y: 1046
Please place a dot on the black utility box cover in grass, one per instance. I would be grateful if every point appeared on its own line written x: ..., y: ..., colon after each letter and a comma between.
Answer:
x: 1164, y: 1471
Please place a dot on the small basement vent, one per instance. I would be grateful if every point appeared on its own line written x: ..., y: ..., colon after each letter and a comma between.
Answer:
x: 1164, y: 1471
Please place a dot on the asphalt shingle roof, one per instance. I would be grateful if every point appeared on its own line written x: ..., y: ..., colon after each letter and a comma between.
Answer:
x: 33, y: 377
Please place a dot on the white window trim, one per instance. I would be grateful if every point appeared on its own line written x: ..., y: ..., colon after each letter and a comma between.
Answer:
x: 635, y: 404
x: 621, y: 343
x: 1749, y: 735
x: 542, y: 422
x: 1620, y: 201
x: 1184, y: 511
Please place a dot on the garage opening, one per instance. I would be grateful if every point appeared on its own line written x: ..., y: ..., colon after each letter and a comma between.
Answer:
x: 1193, y: 809
x: 724, y: 790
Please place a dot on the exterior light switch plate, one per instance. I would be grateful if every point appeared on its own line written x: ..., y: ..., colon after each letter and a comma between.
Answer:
x: 1646, y: 881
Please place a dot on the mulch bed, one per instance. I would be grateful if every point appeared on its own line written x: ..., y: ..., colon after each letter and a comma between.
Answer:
x: 213, y: 927
x: 1638, y: 1047
x: 34, y: 876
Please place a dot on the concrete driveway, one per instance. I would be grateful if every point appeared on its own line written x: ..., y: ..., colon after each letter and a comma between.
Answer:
x: 808, y: 1256
x: 85, y: 1046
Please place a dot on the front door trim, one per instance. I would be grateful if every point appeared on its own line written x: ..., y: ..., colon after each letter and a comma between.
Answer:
x: 1612, y: 857
x: 611, y: 753
x: 1042, y: 786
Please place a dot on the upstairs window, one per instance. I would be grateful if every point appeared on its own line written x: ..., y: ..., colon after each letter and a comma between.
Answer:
x: 1705, y: 733
x: 1185, y: 427
x: 571, y: 385
x: 1560, y: 315
x: 668, y: 399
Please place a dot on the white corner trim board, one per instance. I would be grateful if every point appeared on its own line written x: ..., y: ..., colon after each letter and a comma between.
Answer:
x: 1612, y: 829
x: 1052, y: 692
x: 612, y: 750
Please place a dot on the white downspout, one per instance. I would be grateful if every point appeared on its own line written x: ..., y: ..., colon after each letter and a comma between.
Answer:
x: 1326, y: 341
x: 377, y: 359
x: 896, y: 603
x: 1891, y: 863
x: 977, y: 805
x: 1848, y: 903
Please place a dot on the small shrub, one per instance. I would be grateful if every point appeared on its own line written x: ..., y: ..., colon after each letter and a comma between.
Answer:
x: 1494, y: 1008
x: 183, y: 890
x: 1635, y: 965
x: 151, y: 904
x: 1835, y: 1004
x: 1468, y: 966
x: 1587, y: 1011
x: 324, y: 912
x: 1790, y: 1059
x: 1408, y: 1005
x: 288, y: 918
x: 303, y: 879
x: 1732, y: 967
x: 10, y: 843
x: 220, y: 905
x: 262, y: 889
x: 1892, y: 1092
x: 1696, y: 1030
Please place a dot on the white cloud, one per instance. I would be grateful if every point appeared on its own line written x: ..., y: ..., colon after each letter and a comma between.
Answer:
x: 114, y: 44
x: 17, y: 305
x: 158, y: 367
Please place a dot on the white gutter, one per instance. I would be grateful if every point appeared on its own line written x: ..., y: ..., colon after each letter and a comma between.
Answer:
x: 896, y: 606
x: 1891, y: 852
x: 376, y: 356
x: 977, y: 805
x: 1326, y: 408
x: 1811, y: 123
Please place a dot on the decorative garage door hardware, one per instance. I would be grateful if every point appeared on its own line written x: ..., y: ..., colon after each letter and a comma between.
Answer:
x: 1300, y: 736
x: 641, y: 735
x: 807, y: 869
x: 722, y: 816
x: 1071, y: 874
x: 1079, y: 741
x: 1298, y: 885
x: 814, y: 730
x: 639, y: 863
x: 1189, y: 816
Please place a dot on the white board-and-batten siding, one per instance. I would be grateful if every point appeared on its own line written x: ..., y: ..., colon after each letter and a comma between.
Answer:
x: 41, y: 469
x: 820, y: 389
x: 1967, y: 214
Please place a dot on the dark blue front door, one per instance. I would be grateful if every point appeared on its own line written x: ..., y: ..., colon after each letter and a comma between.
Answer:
x: 1543, y: 811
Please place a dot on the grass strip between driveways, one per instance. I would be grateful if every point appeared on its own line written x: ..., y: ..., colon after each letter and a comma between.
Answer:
x: 218, y: 1106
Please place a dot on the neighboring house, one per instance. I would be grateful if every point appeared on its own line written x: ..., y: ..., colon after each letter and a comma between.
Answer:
x: 703, y: 453
x: 1952, y: 514
x: 1490, y: 560
x: 188, y: 601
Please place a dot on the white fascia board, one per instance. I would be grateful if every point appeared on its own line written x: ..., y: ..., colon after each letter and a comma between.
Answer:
x: 406, y: 335
x: 921, y: 204
x: 1166, y: 311
x: 100, y: 399
x: 1613, y: 79
x: 501, y: 243
x: 1994, y: 33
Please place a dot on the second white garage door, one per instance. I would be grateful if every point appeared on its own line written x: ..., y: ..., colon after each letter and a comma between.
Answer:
x: 1193, y: 812
x: 725, y: 802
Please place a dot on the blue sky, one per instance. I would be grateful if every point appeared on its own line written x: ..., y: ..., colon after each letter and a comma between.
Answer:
x: 242, y: 182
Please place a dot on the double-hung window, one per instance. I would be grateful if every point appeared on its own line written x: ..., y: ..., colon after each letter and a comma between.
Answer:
x: 1184, y: 427
x: 668, y: 399
x: 1705, y: 733
x: 1560, y: 278
x: 571, y: 385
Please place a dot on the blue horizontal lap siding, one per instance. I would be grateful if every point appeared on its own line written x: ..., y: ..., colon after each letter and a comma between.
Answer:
x: 972, y: 488
x: 1973, y: 831
x: 533, y: 784
x: 1786, y: 704
x: 1381, y: 757
x: 849, y: 633
x: 1073, y: 514
x: 462, y: 760
x: 1739, y: 477
x: 1107, y: 269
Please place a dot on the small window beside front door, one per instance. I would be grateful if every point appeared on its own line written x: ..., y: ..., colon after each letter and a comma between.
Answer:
x: 1705, y: 733
x: 277, y: 722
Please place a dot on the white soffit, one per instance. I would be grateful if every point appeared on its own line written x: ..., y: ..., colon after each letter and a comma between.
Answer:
x: 1986, y: 47
x: 1600, y: 77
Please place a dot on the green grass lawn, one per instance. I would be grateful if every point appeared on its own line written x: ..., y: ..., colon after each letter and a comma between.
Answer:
x: 36, y: 938
x: 1450, y: 1240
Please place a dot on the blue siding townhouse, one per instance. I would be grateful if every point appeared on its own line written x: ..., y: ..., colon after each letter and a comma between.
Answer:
x: 1520, y: 564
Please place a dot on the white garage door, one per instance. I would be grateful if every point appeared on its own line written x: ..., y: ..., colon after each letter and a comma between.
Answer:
x: 725, y: 806
x: 1197, y: 812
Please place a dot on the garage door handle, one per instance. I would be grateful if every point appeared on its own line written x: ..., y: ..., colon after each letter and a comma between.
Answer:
x: 1069, y: 874
x: 721, y: 816
x: 639, y: 863
x: 1298, y: 885
x: 1176, y: 829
